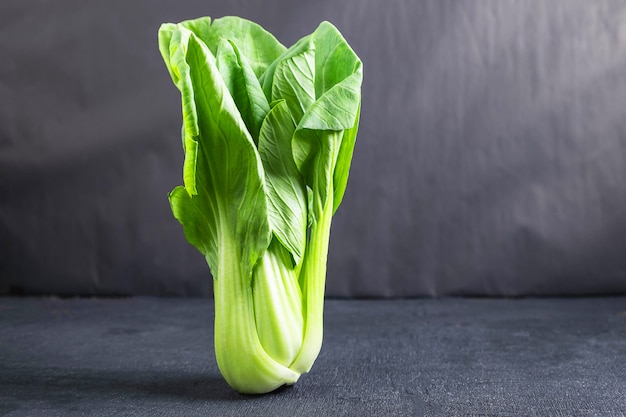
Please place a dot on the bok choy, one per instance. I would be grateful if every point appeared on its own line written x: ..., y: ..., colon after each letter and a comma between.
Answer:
x: 268, y: 135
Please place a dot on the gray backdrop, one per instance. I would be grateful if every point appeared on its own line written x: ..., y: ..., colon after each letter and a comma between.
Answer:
x: 491, y: 158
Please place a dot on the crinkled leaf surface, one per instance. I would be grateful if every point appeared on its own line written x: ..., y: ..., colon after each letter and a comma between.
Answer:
x: 294, y: 79
x: 286, y: 189
x: 259, y: 47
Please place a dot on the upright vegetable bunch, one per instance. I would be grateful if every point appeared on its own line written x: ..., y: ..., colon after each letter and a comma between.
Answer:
x: 268, y: 135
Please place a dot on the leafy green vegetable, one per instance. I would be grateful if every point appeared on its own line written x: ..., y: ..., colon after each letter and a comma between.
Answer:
x: 268, y: 135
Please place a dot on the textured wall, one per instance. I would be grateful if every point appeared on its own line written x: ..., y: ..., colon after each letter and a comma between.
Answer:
x: 491, y: 157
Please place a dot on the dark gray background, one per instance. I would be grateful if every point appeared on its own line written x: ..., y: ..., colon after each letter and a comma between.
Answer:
x: 491, y: 158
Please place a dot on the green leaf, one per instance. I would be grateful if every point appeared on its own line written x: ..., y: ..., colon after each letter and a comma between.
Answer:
x: 294, y: 79
x: 259, y: 47
x: 171, y: 43
x: 196, y: 225
x: 243, y: 86
x: 334, y: 59
x: 166, y: 32
x: 223, y: 171
x: 286, y: 189
x: 267, y: 78
x: 319, y: 148
x: 337, y: 108
x: 201, y: 27
x: 344, y: 160
x: 315, y: 153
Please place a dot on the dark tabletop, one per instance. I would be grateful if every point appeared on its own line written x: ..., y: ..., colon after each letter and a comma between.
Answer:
x: 432, y: 357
